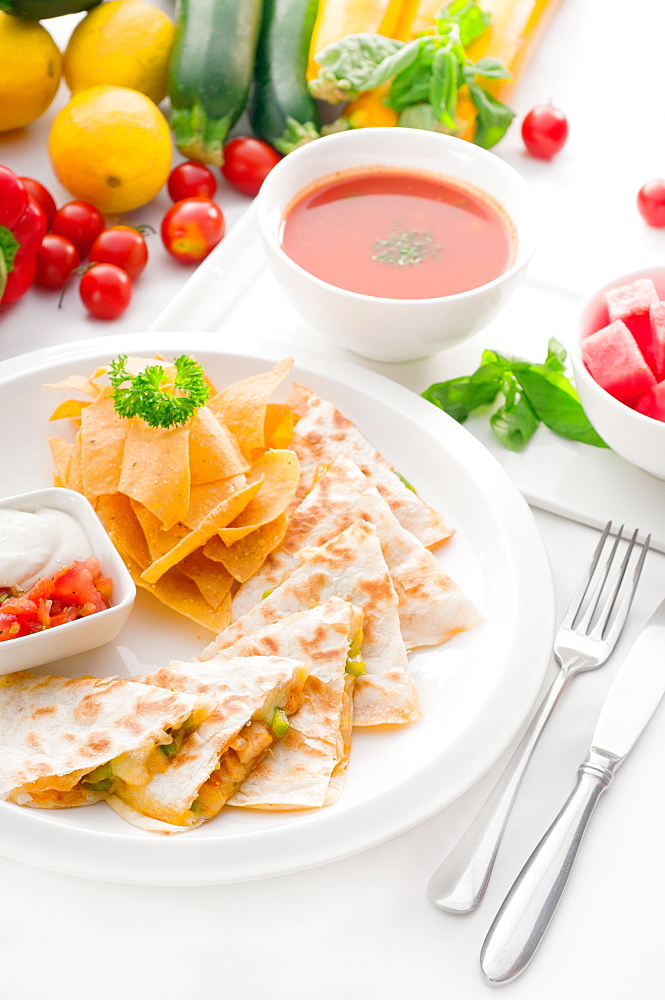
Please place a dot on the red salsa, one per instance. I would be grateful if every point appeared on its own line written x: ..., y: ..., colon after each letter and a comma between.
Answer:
x: 73, y: 592
x: 398, y: 234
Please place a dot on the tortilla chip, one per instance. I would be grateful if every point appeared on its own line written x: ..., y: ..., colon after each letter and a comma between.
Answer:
x: 61, y: 452
x: 79, y: 382
x: 69, y: 409
x: 159, y: 541
x: 216, y: 519
x: 117, y: 515
x: 212, y: 579
x: 103, y: 434
x: 204, y: 497
x: 242, y: 406
x: 155, y: 469
x: 280, y: 474
x: 181, y: 594
x: 213, y: 451
x: 278, y: 426
x: 246, y: 556
x: 75, y: 476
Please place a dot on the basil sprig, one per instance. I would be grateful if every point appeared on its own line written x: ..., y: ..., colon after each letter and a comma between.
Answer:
x: 530, y: 394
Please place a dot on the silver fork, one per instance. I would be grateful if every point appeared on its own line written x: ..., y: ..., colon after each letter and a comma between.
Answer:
x: 587, y: 636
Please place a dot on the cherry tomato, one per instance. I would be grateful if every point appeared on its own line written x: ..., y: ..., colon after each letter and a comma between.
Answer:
x: 192, y: 228
x: 123, y: 246
x: 20, y: 277
x: 37, y: 191
x: 13, y: 198
x: 56, y: 259
x: 30, y: 228
x: 190, y: 180
x: 80, y: 223
x: 105, y: 291
x: 651, y: 202
x: 544, y: 131
x: 247, y: 163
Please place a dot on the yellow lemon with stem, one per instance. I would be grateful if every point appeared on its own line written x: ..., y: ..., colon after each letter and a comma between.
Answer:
x: 30, y: 64
x: 122, y: 43
x: 111, y: 146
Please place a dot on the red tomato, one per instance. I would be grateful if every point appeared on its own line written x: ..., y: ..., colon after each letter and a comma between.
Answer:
x: 31, y: 227
x: 105, y: 291
x: 191, y: 180
x: 13, y: 198
x: 651, y: 202
x: 20, y: 277
x: 80, y: 223
x: 192, y: 228
x: 247, y: 163
x: 37, y: 191
x: 544, y: 131
x: 123, y: 246
x: 56, y: 259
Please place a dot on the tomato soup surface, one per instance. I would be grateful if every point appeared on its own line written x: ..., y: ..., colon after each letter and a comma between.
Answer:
x: 397, y: 234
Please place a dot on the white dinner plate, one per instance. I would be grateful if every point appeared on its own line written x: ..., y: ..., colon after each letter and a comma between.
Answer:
x: 476, y: 690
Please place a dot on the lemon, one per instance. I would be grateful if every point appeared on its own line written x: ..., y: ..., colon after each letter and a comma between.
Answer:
x: 111, y: 146
x: 123, y: 43
x: 30, y: 64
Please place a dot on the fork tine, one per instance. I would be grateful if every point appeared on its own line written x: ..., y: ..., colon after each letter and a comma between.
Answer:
x: 583, y: 625
x: 613, y: 627
x: 577, y: 599
x: 608, y: 606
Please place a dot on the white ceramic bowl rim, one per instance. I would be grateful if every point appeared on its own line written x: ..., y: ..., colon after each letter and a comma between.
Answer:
x: 523, y: 247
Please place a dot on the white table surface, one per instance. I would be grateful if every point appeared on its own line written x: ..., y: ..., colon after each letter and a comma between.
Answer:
x: 363, y: 926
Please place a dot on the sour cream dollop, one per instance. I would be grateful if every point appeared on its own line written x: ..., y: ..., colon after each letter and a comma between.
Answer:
x: 38, y: 543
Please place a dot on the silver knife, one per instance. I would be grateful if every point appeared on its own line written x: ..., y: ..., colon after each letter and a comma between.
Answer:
x: 525, y: 914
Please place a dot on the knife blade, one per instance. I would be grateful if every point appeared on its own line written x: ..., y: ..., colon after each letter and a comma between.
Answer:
x: 527, y: 910
x: 635, y: 692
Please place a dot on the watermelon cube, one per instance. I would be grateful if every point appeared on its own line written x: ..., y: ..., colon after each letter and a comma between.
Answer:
x: 657, y: 318
x: 616, y: 362
x: 652, y: 402
x: 631, y: 303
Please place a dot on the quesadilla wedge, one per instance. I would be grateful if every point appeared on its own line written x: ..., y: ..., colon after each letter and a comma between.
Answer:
x: 350, y: 566
x: 254, y: 696
x: 432, y: 608
x: 322, y: 433
x: 306, y: 768
x: 70, y: 741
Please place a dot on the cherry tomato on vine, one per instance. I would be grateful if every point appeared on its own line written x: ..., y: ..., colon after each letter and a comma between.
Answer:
x: 190, y: 180
x: 13, y: 198
x: 41, y: 195
x: 31, y: 227
x: 651, y: 202
x: 247, y: 163
x: 80, y: 223
x: 123, y: 246
x: 544, y: 131
x: 56, y: 259
x: 192, y: 228
x: 105, y: 290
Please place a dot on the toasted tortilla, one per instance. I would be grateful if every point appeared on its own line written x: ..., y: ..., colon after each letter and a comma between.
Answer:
x: 350, y: 566
x: 57, y: 731
x: 306, y: 768
x: 432, y: 608
x: 322, y: 433
x: 215, y: 758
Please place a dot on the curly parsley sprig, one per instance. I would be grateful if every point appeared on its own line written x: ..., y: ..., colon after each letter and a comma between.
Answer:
x: 160, y: 401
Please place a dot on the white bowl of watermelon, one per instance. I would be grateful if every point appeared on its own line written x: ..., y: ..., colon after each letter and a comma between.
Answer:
x: 619, y: 366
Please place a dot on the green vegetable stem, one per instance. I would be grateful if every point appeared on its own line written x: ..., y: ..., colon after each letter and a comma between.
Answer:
x: 532, y: 394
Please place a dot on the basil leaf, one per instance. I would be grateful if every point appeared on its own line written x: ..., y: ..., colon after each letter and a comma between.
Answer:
x: 467, y: 14
x: 556, y: 403
x: 514, y: 423
x: 491, y: 68
x: 359, y: 62
x: 459, y: 397
x: 556, y: 355
x: 420, y: 116
x: 443, y: 87
x: 412, y: 84
x: 492, y: 117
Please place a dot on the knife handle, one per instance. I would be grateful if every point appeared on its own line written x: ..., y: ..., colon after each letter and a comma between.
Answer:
x: 527, y: 910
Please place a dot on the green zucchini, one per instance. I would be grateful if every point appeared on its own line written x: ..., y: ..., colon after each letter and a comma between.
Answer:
x: 282, y: 111
x: 39, y: 10
x: 210, y: 72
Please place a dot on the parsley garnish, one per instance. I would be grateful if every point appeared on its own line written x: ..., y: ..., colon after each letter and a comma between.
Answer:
x: 532, y: 394
x: 154, y: 398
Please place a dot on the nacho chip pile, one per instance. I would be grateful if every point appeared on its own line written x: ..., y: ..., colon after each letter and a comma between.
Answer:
x: 194, y: 510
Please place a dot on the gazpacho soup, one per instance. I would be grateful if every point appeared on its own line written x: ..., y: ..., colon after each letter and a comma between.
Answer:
x: 398, y: 234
